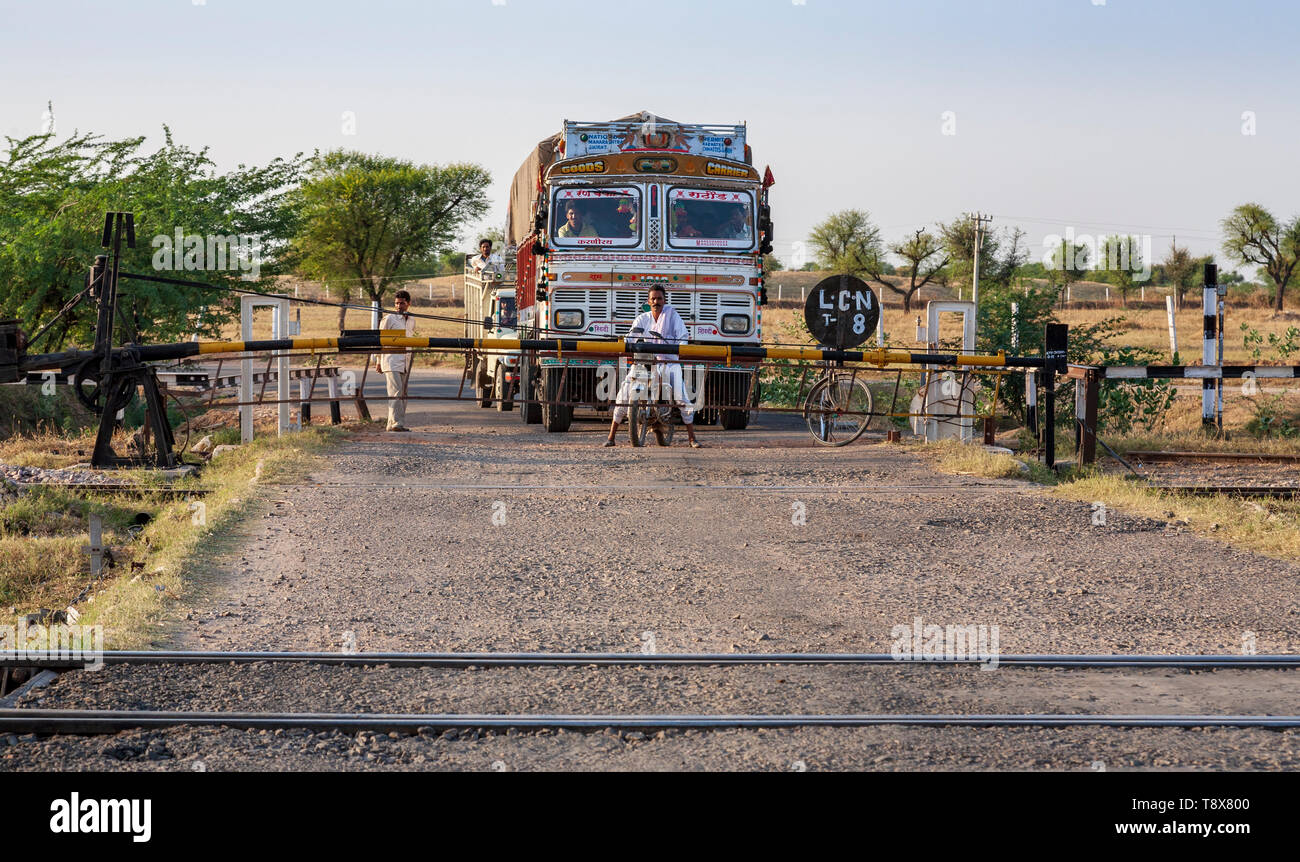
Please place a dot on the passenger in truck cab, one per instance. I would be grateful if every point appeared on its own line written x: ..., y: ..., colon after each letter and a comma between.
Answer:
x: 682, y: 226
x: 736, y: 226
x: 574, y: 222
x: 625, y: 220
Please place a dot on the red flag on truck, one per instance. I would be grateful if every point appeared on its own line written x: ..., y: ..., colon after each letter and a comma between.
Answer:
x: 768, y: 179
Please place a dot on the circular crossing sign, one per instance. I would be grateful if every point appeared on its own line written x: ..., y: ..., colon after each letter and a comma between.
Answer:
x: 841, y: 312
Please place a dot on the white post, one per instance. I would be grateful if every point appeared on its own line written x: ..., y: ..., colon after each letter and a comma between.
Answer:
x: 1108, y: 293
x: 374, y: 314
x: 430, y: 291
x: 778, y: 293
x: 280, y: 326
x: 1173, y: 328
x: 246, y: 372
x: 880, y: 329
x: 1209, y: 344
x: 1015, y: 327
x: 1144, y: 293
x: 802, y: 297
x: 1067, y: 292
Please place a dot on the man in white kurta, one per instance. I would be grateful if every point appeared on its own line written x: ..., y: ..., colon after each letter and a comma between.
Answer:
x: 396, y: 366
x: 660, y: 325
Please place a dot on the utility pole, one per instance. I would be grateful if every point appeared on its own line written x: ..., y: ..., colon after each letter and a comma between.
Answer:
x: 980, y: 221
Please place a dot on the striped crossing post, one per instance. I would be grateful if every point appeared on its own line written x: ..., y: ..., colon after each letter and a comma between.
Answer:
x: 1209, y: 343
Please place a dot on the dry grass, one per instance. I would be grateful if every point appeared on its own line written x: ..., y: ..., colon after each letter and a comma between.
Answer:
x: 41, y: 537
x: 950, y: 456
x: 1269, y: 527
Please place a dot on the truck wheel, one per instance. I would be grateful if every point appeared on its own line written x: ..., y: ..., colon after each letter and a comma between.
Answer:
x: 530, y: 412
x: 481, y: 390
x: 738, y: 420
x: 501, y: 390
x: 555, y: 417
x: 735, y: 420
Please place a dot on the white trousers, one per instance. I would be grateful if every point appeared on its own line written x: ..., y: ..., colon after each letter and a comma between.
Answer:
x: 396, y: 404
x: 667, y: 377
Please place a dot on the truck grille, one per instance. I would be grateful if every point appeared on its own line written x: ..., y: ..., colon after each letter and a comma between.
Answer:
x: 695, y: 308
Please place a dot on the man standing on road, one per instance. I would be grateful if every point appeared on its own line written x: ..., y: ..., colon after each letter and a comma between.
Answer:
x: 660, y: 325
x: 396, y: 367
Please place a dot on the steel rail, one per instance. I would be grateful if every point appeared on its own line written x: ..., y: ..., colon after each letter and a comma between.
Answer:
x: 108, y: 721
x: 57, y: 660
x: 675, y: 486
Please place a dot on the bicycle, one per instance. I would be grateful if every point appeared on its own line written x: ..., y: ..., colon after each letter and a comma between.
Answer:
x: 838, y: 407
x: 647, y: 407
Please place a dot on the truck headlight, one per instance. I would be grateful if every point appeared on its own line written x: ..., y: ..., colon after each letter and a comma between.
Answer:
x: 735, y: 323
x: 568, y: 319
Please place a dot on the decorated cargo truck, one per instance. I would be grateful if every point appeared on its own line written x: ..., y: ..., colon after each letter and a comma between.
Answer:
x: 604, y: 210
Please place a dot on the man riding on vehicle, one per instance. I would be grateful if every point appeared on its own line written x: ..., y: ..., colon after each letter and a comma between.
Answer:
x: 660, y: 325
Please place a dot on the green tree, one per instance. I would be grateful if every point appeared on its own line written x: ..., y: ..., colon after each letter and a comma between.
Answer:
x: 847, y: 242
x: 1255, y: 236
x: 923, y: 259
x: 53, y: 196
x: 1066, y: 264
x: 363, y: 216
x: 1001, y: 254
x: 1121, y: 256
x: 1180, y: 271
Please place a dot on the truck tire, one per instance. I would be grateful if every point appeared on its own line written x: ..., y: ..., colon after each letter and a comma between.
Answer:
x: 481, y: 390
x: 530, y: 412
x: 735, y: 420
x: 501, y: 390
x: 555, y: 417
x: 738, y: 420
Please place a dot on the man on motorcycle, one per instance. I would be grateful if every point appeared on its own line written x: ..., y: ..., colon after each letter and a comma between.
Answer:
x: 660, y: 325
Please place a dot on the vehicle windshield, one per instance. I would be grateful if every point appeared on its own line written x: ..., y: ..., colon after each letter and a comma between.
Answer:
x: 509, y: 314
x: 707, y: 218
x: 603, y: 217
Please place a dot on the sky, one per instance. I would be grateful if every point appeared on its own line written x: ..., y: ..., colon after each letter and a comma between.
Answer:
x: 1150, y: 117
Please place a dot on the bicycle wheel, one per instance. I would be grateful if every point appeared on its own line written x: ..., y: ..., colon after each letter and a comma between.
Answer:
x: 638, y: 421
x: 666, y: 426
x: 838, y: 409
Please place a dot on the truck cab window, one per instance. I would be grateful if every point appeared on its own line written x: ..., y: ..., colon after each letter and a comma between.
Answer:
x: 509, y: 315
x: 710, y: 218
x: 604, y: 217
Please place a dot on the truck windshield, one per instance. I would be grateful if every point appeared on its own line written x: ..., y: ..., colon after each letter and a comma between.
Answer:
x: 605, y: 217
x: 509, y: 314
x: 708, y: 218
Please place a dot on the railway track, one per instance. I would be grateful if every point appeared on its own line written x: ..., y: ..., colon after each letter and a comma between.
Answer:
x: 47, y: 721
x: 72, y: 721
x: 55, y: 661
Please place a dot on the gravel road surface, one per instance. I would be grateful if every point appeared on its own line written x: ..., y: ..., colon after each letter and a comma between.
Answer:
x: 476, y: 532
